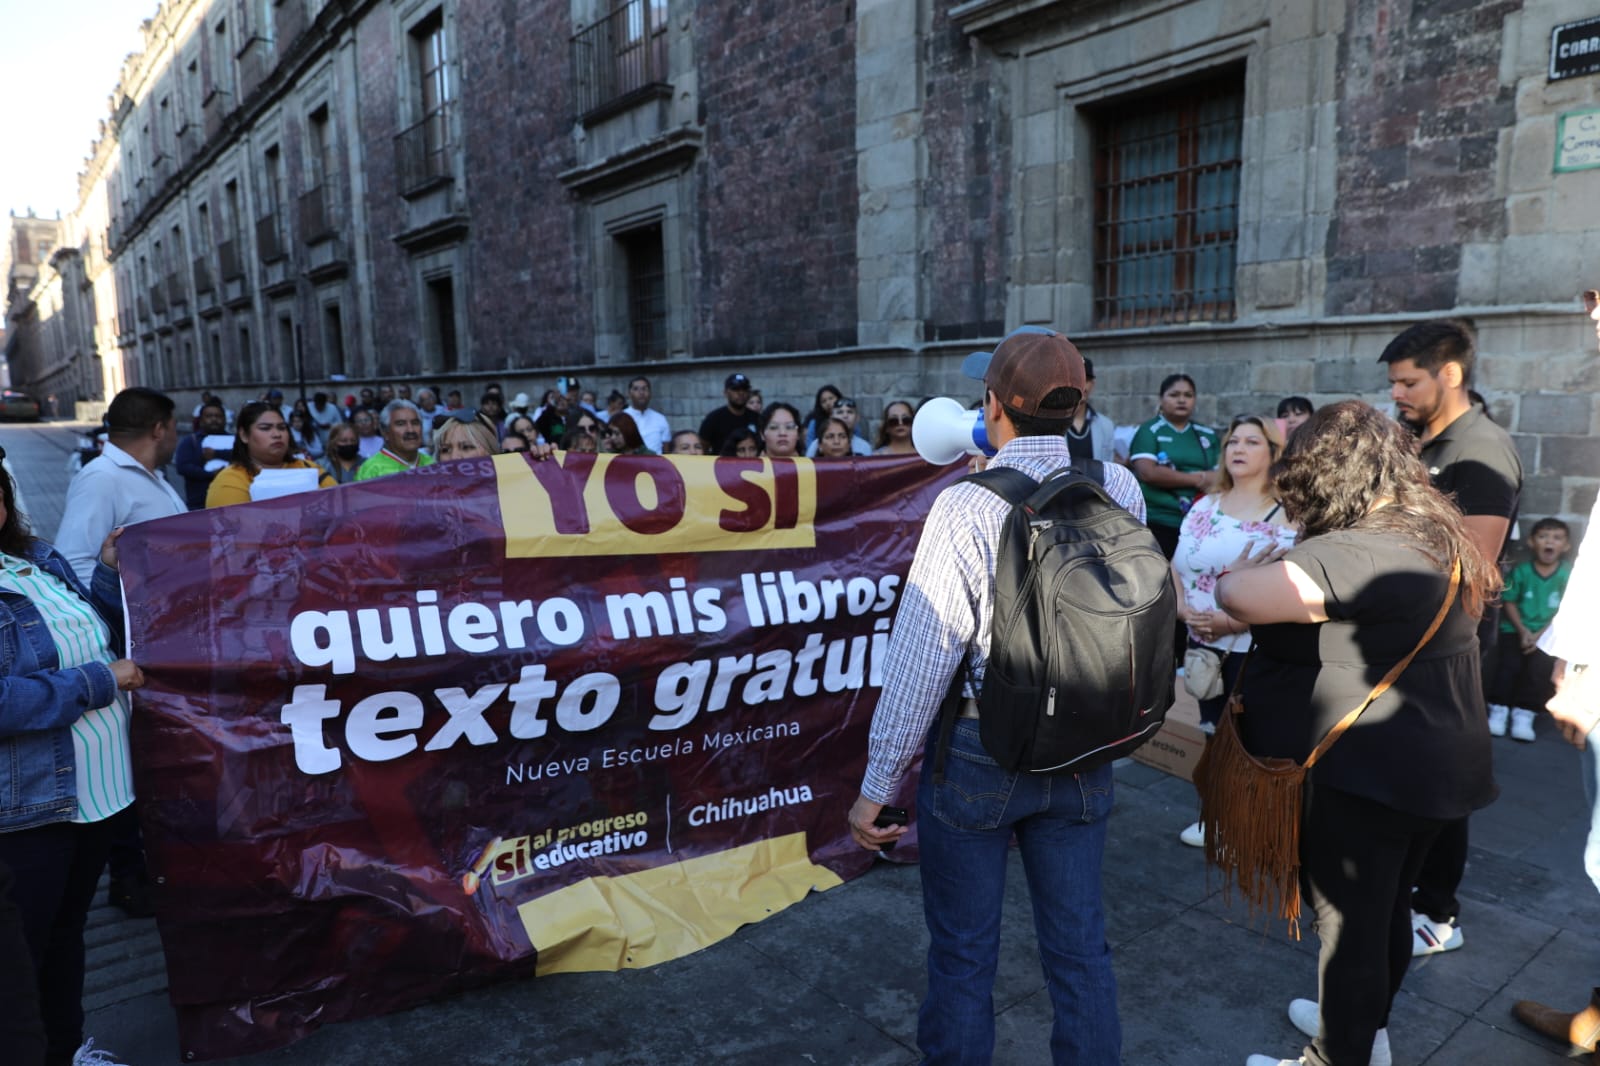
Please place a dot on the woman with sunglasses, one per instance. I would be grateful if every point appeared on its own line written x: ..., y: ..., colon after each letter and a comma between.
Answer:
x: 586, y: 422
x: 261, y: 442
x: 466, y: 434
x: 845, y: 410
x: 894, y: 435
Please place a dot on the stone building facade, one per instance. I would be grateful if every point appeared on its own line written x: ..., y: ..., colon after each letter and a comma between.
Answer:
x: 1258, y: 192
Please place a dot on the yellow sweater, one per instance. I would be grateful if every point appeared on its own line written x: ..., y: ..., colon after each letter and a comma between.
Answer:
x: 232, y: 483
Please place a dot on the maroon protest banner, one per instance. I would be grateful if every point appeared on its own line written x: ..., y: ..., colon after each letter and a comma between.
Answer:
x: 499, y: 718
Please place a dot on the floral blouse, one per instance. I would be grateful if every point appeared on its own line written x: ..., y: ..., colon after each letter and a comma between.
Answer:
x: 1207, y: 542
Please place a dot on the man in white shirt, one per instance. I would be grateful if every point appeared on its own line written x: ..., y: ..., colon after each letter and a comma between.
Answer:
x: 124, y: 484
x: 121, y: 486
x: 324, y: 413
x: 652, y: 424
x: 1573, y: 640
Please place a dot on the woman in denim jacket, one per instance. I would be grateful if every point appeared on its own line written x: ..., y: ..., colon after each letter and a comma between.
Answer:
x: 64, y: 769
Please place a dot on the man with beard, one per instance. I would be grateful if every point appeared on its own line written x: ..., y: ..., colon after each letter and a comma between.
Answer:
x: 402, y: 442
x: 1473, y: 461
x: 194, y: 457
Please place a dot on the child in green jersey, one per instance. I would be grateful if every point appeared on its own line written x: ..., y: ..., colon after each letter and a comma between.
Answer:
x: 1522, y: 676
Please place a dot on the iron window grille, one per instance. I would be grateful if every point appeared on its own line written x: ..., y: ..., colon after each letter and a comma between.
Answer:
x: 1167, y: 174
x: 620, y: 56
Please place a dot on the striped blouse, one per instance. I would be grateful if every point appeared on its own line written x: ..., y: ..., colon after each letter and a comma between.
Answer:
x: 100, y: 738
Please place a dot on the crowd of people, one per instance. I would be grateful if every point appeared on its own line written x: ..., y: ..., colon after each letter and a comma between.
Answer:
x: 385, y: 429
x: 1309, y: 549
x: 1313, y: 553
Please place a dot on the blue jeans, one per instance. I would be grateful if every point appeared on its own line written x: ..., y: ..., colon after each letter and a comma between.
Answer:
x: 964, y: 829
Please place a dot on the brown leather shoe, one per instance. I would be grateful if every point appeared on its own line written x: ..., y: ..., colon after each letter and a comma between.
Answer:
x: 1580, y: 1030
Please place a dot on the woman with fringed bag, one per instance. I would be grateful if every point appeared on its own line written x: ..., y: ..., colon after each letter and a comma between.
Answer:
x: 1360, y: 731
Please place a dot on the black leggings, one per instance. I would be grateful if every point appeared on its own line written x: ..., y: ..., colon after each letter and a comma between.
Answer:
x: 1358, y: 859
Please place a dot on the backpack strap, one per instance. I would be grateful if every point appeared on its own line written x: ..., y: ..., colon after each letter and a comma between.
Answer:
x: 1090, y: 468
x: 949, y: 711
x: 1012, y: 486
x: 1394, y: 671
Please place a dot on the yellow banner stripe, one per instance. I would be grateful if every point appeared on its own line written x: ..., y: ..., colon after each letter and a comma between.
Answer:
x: 665, y: 913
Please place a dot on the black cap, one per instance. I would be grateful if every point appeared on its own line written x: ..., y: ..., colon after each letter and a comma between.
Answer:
x: 736, y: 381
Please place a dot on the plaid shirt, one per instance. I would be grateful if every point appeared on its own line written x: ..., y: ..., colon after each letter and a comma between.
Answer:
x: 948, y: 604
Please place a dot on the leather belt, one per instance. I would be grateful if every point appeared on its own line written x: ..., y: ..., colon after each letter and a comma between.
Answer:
x: 969, y: 708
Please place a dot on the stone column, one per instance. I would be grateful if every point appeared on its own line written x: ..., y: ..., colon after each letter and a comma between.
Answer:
x: 891, y: 162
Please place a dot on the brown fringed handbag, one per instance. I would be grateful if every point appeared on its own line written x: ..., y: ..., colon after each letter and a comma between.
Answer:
x: 1250, y: 807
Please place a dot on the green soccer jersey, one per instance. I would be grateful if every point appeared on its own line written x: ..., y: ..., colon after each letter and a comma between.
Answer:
x: 1535, y: 598
x: 1195, y: 447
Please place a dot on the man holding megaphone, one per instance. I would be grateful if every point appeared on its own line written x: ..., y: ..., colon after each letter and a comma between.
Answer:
x: 1034, y: 380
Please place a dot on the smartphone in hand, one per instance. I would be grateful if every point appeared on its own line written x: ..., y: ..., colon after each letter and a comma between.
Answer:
x: 891, y: 816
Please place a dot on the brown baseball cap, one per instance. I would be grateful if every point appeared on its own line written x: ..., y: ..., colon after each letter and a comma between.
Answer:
x: 1028, y: 365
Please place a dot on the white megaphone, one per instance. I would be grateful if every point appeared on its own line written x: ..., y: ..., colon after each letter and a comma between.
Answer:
x: 944, y: 431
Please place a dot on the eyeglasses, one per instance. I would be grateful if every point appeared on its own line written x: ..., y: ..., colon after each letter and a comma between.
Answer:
x: 844, y: 405
x: 898, y: 420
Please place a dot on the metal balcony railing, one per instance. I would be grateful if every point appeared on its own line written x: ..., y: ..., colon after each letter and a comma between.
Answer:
x: 177, y: 295
x: 202, y: 275
x: 158, y: 298
x: 422, y: 153
x: 621, y: 54
x: 289, y: 21
x: 218, y: 104
x: 190, y: 141
x: 255, y: 63
x: 317, y: 216
x: 269, y: 238
x: 231, y: 261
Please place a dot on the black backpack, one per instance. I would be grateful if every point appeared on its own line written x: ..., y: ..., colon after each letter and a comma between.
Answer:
x: 1080, y: 666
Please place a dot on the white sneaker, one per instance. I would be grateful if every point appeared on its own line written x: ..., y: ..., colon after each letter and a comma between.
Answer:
x: 1307, y: 1017
x: 89, y: 1055
x: 1429, y: 937
x: 1498, y: 713
x: 1272, y: 1060
x: 1521, y: 724
x: 1194, y: 835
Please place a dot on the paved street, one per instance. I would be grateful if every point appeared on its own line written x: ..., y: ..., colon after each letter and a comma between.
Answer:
x: 837, y: 978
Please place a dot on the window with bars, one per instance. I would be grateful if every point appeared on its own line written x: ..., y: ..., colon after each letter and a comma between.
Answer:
x: 1167, y: 205
x: 621, y: 55
x: 647, y: 290
x: 423, y: 148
